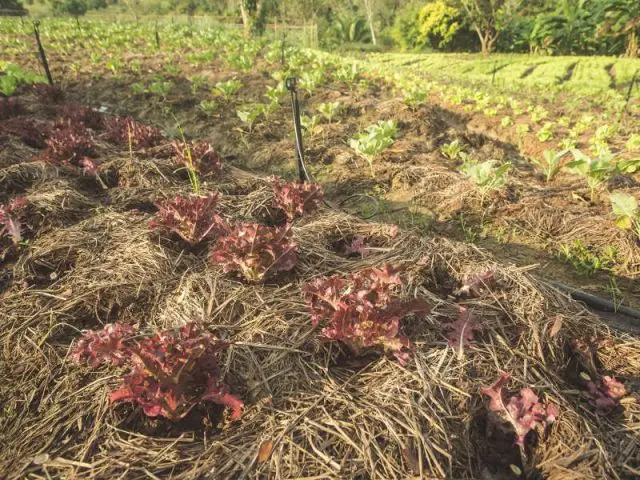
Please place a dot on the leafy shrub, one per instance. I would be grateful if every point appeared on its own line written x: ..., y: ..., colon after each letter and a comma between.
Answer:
x: 11, y: 216
x: 249, y: 114
x: 361, y: 312
x: 296, y: 199
x: 255, y: 251
x: 129, y: 132
x: 198, y: 156
x: 524, y: 412
x: 169, y: 373
x: 193, y: 218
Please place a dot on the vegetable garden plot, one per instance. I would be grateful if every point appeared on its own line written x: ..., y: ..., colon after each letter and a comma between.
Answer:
x: 339, y: 349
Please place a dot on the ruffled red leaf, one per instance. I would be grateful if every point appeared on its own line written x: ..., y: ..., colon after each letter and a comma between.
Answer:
x: 360, y: 310
x: 126, y: 131
x: 524, y: 412
x: 296, y: 199
x: 461, y: 331
x: 255, y: 251
x: 605, y: 394
x: 170, y: 372
x: 198, y: 156
x: 11, y: 216
x: 193, y: 218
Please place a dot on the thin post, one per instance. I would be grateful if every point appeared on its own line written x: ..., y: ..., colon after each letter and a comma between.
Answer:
x: 43, y: 56
x: 302, y: 171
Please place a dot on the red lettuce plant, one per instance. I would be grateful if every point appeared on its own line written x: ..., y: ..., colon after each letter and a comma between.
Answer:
x: 296, y: 199
x: 10, y: 107
x: 524, y: 412
x: 169, y: 373
x: 198, y: 156
x: 192, y: 218
x: 34, y: 134
x: 11, y: 215
x: 126, y: 131
x: 255, y: 251
x: 461, y: 331
x: 49, y: 93
x: 361, y: 311
x: 605, y: 394
x: 90, y: 118
x: 357, y: 247
x: 70, y: 145
x: 475, y: 284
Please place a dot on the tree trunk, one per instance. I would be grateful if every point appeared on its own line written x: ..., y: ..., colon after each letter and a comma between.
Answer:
x: 245, y: 18
x: 487, y: 40
x: 369, y: 8
x: 632, y: 45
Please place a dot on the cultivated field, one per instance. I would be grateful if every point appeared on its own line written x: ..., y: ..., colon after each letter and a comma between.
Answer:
x: 259, y: 331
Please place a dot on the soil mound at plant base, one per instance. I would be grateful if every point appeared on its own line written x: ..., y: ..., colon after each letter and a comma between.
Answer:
x: 311, y: 408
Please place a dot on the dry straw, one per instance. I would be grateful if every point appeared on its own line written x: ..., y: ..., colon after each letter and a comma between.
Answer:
x: 309, y: 413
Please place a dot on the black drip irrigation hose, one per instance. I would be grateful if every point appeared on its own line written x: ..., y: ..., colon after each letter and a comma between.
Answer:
x: 597, y: 303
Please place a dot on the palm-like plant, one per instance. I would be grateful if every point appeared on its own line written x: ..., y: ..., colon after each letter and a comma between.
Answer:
x: 622, y: 19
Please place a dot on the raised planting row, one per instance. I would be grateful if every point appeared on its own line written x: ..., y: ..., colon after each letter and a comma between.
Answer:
x: 147, y: 287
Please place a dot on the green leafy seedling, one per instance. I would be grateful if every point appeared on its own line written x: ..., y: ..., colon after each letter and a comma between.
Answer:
x: 551, y: 165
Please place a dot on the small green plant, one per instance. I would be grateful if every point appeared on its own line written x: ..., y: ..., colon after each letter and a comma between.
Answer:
x: 374, y: 141
x: 414, y: 97
x: 161, y: 88
x: 600, y: 139
x: 546, y: 132
x: 309, y: 124
x: 506, y: 121
x: 197, y: 81
x: 310, y: 80
x: 273, y: 94
x: 208, y: 107
x: 227, y: 89
x: 250, y: 113
x: 568, y: 143
x: 329, y: 110
x: 597, y: 170
x: 633, y: 144
x: 138, y: 88
x: 584, y: 260
x: 453, y: 149
x: 488, y: 175
x: 627, y: 212
x: 538, y: 114
x: 348, y: 75
x: 550, y: 165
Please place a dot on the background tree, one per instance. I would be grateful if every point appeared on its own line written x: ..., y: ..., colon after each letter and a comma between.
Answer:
x: 438, y: 23
x: 622, y: 19
x: 12, y: 8
x: 75, y: 8
x: 253, y: 13
x: 488, y: 18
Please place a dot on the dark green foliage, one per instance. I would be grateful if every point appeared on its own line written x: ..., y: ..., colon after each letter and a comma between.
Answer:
x: 12, y: 8
x: 74, y: 8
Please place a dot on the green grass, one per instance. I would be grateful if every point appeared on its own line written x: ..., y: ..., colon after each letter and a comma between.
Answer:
x: 589, y: 76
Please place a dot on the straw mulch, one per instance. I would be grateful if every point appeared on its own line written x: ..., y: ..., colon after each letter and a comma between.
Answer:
x: 311, y: 411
